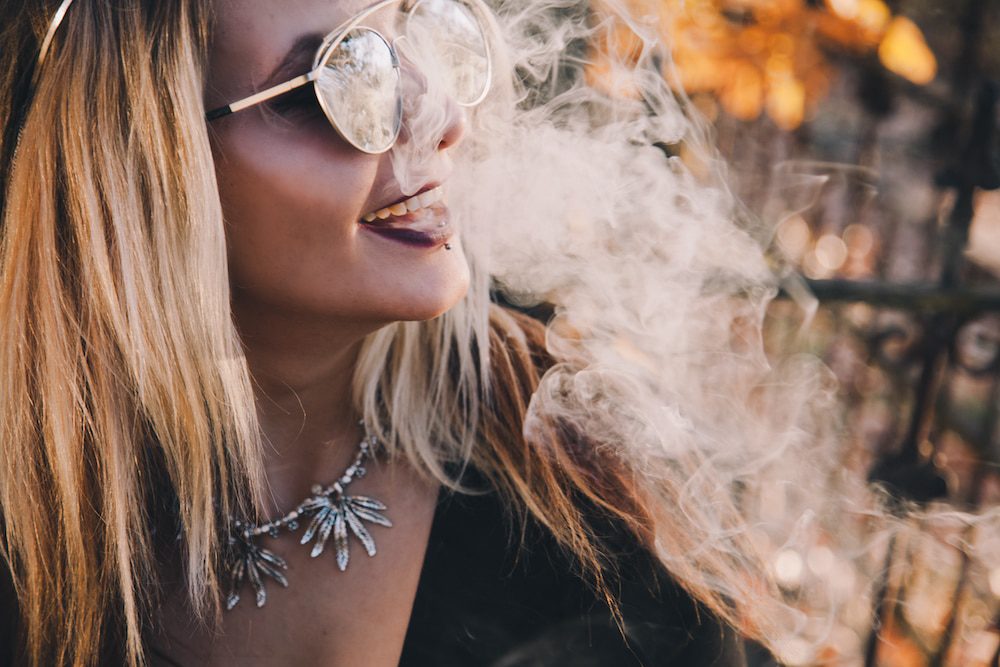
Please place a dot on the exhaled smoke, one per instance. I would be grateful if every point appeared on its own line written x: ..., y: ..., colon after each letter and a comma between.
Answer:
x: 570, y: 196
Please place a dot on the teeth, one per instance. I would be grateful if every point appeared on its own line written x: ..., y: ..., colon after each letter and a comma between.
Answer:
x: 411, y: 205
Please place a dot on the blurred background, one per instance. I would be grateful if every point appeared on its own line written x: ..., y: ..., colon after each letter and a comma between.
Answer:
x: 862, y: 138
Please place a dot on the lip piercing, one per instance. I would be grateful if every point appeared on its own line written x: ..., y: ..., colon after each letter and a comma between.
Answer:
x: 447, y: 246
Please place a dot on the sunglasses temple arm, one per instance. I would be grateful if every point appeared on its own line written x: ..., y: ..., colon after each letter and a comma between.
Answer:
x: 264, y: 95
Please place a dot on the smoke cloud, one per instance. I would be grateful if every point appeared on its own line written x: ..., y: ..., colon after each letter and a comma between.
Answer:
x: 573, y: 197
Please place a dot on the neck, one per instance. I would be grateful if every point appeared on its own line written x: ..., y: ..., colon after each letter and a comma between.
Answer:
x: 302, y: 371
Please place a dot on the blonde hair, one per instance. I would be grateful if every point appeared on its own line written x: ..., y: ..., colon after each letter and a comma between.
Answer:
x: 121, y: 364
x: 116, y: 328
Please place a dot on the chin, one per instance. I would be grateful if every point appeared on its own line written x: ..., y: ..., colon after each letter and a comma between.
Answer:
x: 433, y: 300
x: 416, y: 288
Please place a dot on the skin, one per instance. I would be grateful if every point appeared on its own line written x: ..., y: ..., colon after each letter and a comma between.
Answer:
x: 309, y: 283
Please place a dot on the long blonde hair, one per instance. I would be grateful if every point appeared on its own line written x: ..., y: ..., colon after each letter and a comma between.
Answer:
x: 121, y: 365
x: 116, y: 328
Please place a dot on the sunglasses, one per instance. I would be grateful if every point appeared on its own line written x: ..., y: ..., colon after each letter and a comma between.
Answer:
x: 356, y: 70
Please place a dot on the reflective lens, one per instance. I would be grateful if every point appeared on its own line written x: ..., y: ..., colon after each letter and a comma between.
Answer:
x: 451, y: 34
x: 359, y: 86
x: 359, y: 89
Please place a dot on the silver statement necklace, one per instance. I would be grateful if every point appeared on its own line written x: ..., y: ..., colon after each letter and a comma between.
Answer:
x: 329, y: 510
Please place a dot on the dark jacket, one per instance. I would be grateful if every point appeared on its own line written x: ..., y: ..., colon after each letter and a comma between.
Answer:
x: 481, y: 601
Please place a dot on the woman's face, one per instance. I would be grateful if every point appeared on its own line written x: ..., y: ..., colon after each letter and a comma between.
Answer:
x: 294, y: 192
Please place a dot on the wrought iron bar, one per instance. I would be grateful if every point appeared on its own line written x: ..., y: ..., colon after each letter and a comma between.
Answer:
x: 913, y: 297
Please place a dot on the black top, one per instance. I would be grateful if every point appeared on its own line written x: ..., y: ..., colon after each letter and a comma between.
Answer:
x: 481, y: 601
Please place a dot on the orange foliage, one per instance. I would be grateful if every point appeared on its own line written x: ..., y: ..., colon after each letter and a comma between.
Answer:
x: 759, y: 56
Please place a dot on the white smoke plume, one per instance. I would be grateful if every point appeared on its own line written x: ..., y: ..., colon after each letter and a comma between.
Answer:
x: 571, y: 197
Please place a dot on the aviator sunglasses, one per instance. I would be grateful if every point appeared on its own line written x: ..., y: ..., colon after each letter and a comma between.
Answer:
x: 356, y: 70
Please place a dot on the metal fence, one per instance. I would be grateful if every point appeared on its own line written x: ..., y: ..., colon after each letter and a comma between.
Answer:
x: 909, y: 318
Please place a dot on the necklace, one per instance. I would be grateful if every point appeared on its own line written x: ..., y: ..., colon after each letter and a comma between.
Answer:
x: 328, y: 509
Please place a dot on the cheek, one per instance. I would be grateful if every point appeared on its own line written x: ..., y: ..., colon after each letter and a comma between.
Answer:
x: 291, y: 202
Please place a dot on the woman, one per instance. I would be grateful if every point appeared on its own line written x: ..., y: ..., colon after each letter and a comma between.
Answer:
x: 201, y: 319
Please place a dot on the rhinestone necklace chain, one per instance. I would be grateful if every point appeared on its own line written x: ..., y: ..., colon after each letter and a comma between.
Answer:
x: 329, y: 510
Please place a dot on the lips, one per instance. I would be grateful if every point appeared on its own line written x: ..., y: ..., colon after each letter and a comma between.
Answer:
x: 421, y: 220
x: 425, y: 198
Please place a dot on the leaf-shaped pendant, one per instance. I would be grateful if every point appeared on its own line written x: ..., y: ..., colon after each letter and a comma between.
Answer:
x: 329, y: 511
x: 338, y: 515
x: 340, y: 540
x: 252, y: 562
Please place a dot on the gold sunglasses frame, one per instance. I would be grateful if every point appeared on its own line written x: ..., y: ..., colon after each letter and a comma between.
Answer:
x: 333, y: 40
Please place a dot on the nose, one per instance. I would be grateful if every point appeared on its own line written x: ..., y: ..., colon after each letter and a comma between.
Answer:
x: 455, y: 126
x: 431, y: 116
